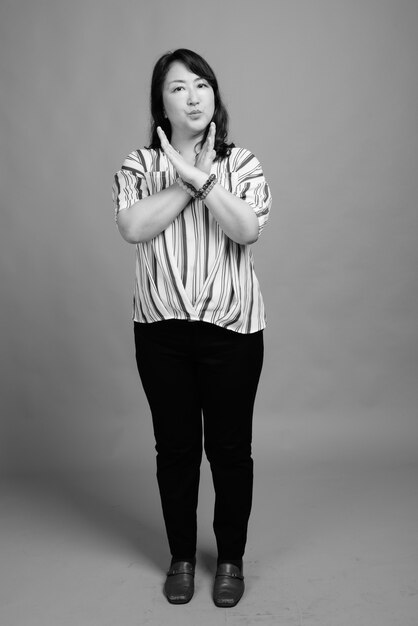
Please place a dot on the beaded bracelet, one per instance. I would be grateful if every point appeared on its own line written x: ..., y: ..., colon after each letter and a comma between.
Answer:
x: 187, y: 187
x: 201, y: 193
x: 207, y: 187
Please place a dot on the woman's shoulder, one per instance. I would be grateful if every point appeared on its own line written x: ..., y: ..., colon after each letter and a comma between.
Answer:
x: 240, y: 157
x: 145, y: 160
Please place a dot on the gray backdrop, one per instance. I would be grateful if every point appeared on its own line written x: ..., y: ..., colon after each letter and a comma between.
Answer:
x: 325, y: 93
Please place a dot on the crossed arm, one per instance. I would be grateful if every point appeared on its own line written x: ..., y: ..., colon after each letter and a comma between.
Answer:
x: 148, y: 217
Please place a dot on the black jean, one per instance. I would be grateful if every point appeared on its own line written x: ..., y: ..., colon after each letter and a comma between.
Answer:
x: 190, y: 369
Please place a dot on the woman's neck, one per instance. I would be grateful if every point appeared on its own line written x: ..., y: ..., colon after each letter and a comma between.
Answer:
x: 188, y: 147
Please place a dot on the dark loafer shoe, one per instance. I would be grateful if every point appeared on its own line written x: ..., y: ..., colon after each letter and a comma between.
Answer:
x: 229, y: 585
x: 179, y: 585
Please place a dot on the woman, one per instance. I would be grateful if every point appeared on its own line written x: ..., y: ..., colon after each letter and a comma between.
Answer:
x: 193, y: 203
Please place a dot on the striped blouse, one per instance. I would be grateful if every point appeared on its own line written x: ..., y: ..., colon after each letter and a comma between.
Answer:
x: 193, y: 270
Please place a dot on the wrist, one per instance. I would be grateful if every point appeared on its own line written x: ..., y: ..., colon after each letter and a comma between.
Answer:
x: 186, y: 186
x: 199, y: 179
x: 201, y: 192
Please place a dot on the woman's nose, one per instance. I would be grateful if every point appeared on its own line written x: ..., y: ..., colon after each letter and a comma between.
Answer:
x: 193, y: 98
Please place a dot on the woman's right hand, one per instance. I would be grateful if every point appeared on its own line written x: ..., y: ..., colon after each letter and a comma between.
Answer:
x: 184, y: 170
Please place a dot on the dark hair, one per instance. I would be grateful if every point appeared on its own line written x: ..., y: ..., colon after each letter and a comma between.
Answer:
x: 196, y: 64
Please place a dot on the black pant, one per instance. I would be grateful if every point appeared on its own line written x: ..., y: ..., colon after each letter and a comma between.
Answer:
x: 186, y: 369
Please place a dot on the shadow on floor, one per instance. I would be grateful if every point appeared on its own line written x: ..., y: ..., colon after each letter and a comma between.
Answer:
x: 118, y: 505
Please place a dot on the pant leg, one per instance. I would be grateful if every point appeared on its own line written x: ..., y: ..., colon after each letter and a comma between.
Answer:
x: 229, y: 370
x: 165, y: 363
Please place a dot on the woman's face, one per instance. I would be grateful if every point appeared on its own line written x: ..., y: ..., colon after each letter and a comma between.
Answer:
x: 189, y: 101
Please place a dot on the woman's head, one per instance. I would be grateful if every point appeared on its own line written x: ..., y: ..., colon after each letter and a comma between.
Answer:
x: 195, y: 64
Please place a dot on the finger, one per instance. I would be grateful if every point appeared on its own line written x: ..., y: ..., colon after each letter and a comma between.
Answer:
x: 163, y: 137
x: 211, y: 135
x: 165, y: 144
x: 171, y: 154
x: 209, y: 142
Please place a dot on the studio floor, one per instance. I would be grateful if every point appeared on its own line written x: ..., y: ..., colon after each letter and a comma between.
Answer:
x: 333, y: 541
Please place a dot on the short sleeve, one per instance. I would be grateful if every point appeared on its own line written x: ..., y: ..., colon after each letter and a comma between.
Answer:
x: 129, y: 184
x: 252, y: 186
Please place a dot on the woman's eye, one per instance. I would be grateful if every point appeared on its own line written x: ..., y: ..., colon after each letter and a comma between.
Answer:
x: 177, y: 88
x: 203, y: 85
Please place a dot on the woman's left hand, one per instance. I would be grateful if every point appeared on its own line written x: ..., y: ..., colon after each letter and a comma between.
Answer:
x: 207, y: 154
